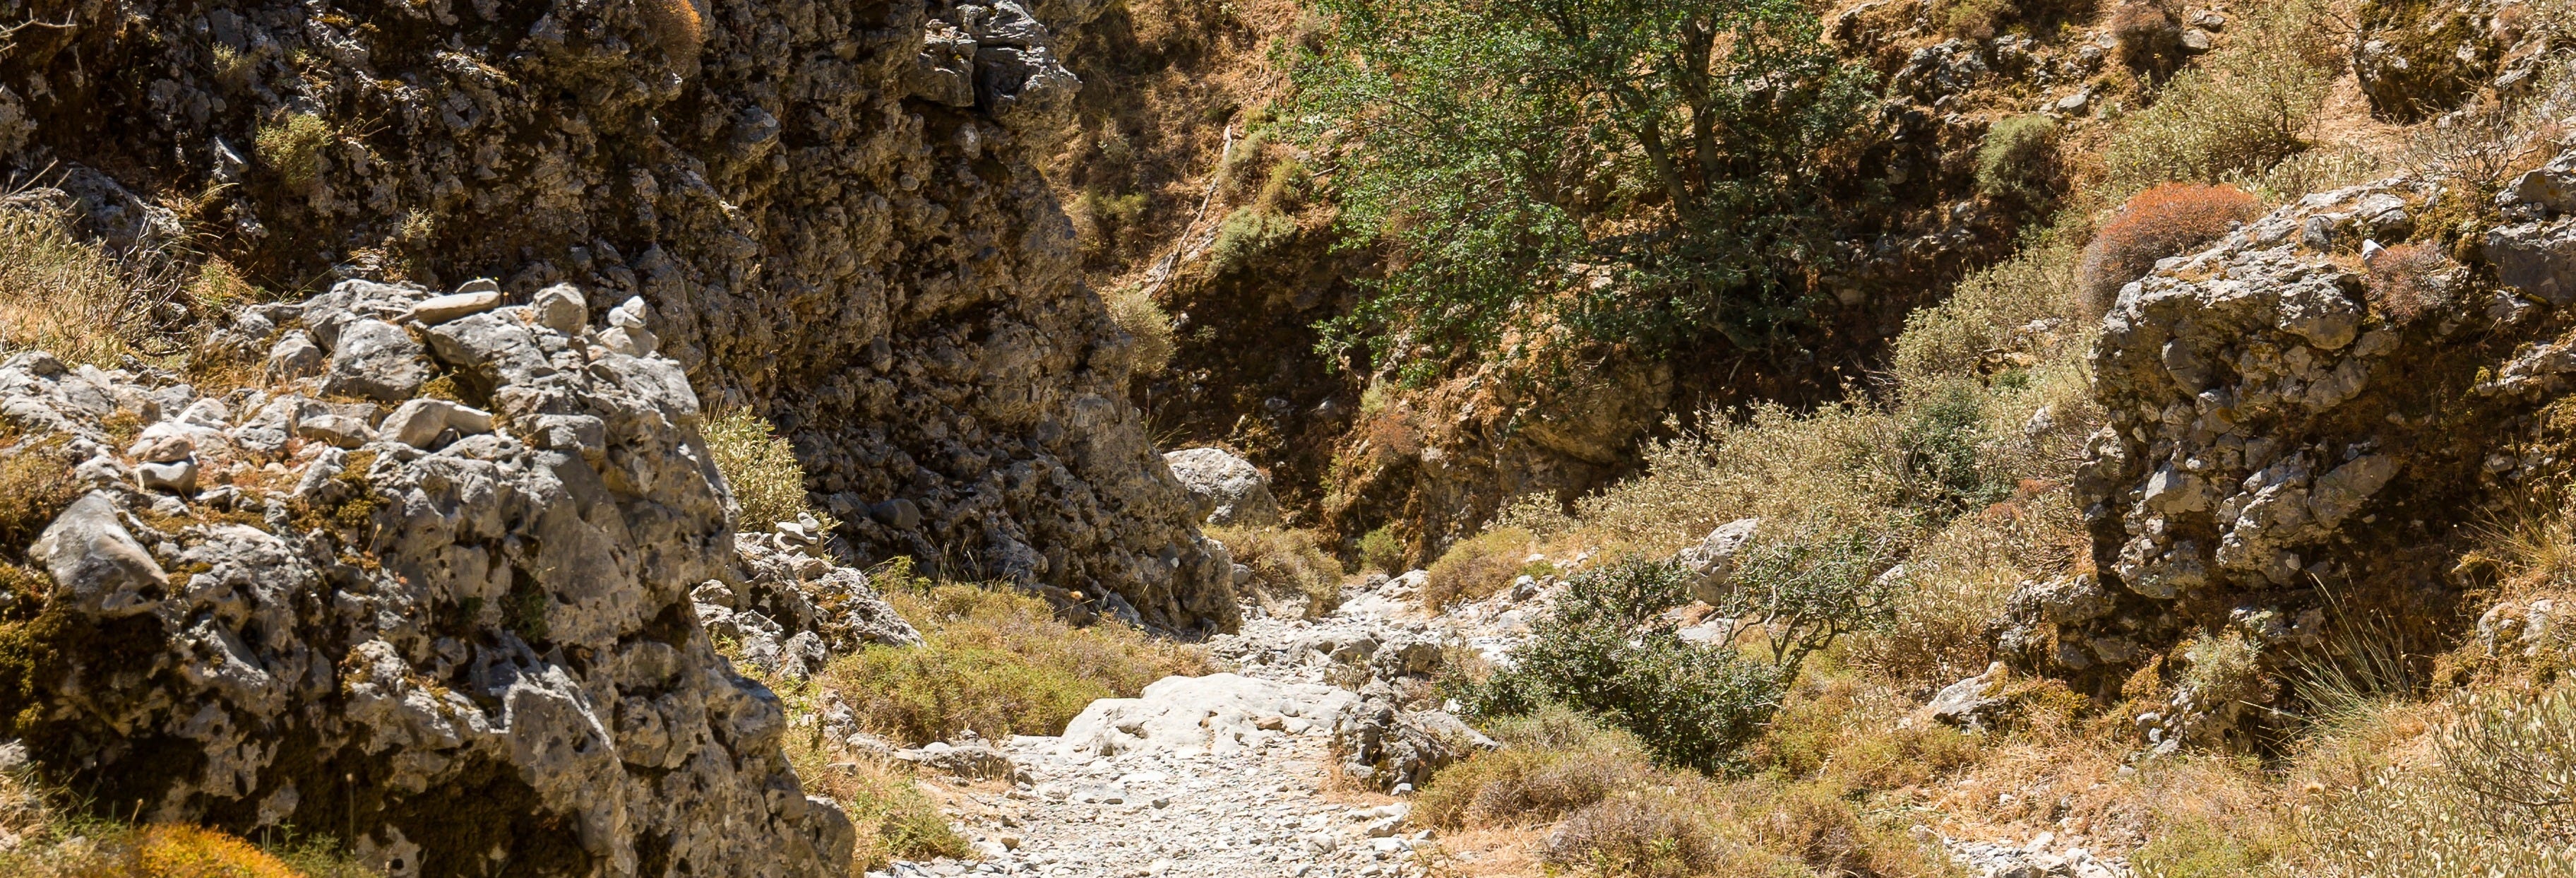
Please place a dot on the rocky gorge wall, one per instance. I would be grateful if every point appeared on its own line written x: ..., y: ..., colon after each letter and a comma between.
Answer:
x: 442, y: 589
x: 2308, y: 433
x: 828, y: 206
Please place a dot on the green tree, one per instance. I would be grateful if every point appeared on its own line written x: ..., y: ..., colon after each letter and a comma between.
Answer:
x: 1648, y: 171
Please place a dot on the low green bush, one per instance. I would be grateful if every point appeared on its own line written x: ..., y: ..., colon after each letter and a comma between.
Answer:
x: 1246, y: 237
x: 1380, y: 550
x: 2018, y: 160
x: 1606, y: 648
x: 761, y: 468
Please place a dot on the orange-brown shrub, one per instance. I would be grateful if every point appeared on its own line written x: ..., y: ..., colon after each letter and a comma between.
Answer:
x: 2160, y: 222
x: 2149, y: 35
x: 676, y: 25
x: 2405, y: 280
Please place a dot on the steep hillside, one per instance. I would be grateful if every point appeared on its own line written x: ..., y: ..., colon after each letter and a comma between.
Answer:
x: 830, y: 207
x: 1196, y: 195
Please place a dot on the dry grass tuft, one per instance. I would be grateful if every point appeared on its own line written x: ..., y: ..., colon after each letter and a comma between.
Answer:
x: 1553, y: 763
x: 761, y: 468
x: 676, y: 26
x: 1133, y: 308
x: 1640, y: 833
x: 894, y: 817
x: 74, y: 298
x: 1292, y: 574
x: 1477, y: 567
x: 994, y: 661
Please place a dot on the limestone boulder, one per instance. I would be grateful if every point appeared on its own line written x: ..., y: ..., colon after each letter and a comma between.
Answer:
x: 1228, y: 490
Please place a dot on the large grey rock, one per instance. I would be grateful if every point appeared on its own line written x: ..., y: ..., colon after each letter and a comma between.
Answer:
x: 800, y: 607
x: 376, y: 360
x: 96, y: 563
x: 1711, y: 562
x: 1385, y: 746
x: 440, y: 309
x: 904, y: 290
x: 1228, y: 489
x: 1217, y: 713
x: 1973, y: 703
x: 2285, y: 434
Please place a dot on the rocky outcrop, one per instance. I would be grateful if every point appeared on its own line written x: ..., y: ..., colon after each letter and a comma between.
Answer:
x: 2304, y: 427
x: 458, y: 630
x: 792, y: 609
x: 1228, y: 489
x: 827, y: 206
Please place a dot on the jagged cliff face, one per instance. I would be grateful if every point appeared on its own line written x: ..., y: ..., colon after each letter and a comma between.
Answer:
x: 828, y: 205
x: 2306, y: 435
x: 456, y: 633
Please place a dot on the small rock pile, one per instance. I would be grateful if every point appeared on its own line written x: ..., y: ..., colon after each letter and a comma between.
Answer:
x: 2034, y: 860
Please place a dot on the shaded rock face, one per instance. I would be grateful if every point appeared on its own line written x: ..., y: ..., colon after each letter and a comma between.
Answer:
x: 828, y: 206
x: 469, y: 648
x: 2300, y: 437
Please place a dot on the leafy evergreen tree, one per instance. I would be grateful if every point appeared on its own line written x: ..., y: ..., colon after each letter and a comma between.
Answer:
x: 1647, y: 171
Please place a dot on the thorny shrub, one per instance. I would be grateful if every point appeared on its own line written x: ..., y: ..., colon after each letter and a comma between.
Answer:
x: 2148, y: 34
x: 2018, y: 160
x: 1381, y: 550
x: 1990, y: 315
x: 2239, y: 111
x: 1638, y: 834
x: 1554, y: 761
x: 1800, y: 591
x: 291, y: 145
x: 1763, y: 462
x: 2501, y: 801
x: 2164, y: 221
x: 1246, y: 237
x: 2409, y: 279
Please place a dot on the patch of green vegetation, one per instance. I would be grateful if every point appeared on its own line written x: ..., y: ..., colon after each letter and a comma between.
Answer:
x: 761, y: 469
x: 1606, y: 648
x: 1246, y: 237
x: 523, y: 609
x: 291, y: 145
x: 1554, y: 168
x: 1380, y: 550
x: 996, y: 661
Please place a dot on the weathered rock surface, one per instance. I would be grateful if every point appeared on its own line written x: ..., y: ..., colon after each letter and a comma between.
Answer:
x: 1228, y: 489
x: 2287, y: 430
x: 793, y: 609
x: 828, y: 205
x: 473, y: 652
x: 1711, y: 563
